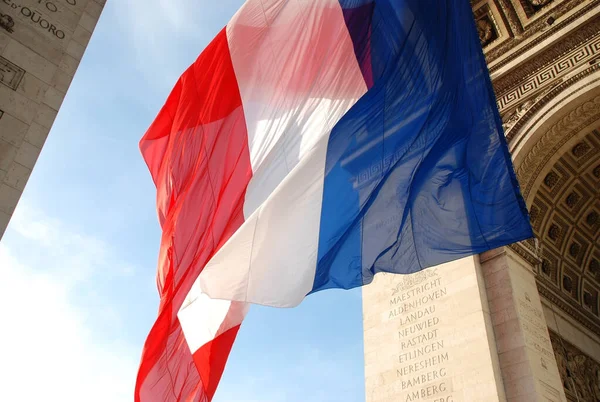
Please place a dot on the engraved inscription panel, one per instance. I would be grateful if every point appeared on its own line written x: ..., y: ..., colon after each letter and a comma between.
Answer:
x: 10, y: 74
x: 422, y: 366
x: 425, y: 335
x: 54, y: 20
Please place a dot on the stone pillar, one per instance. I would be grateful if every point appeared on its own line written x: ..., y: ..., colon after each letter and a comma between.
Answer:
x: 429, y: 337
x: 41, y: 44
x: 527, y: 362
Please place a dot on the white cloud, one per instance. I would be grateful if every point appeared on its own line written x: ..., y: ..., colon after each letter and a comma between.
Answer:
x: 61, y: 250
x: 50, y: 351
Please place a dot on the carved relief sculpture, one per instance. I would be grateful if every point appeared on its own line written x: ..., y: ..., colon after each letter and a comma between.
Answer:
x: 485, y: 31
x: 579, y: 373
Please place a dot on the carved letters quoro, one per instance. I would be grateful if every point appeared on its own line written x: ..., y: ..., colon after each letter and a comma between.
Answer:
x: 35, y: 17
x: 422, y: 368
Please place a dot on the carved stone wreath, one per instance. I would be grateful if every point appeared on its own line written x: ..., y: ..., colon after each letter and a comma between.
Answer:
x: 414, y: 279
x: 7, y: 23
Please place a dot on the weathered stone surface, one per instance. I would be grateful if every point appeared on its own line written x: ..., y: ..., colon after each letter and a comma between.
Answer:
x: 4, y: 218
x: 41, y: 45
x: 36, y: 134
x: 7, y: 154
x: 29, y: 60
x: 27, y: 154
x: 12, y: 130
x: 527, y: 363
x: 9, y: 197
x: 17, y: 176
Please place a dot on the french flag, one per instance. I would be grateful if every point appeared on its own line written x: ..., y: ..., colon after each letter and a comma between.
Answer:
x: 311, y: 145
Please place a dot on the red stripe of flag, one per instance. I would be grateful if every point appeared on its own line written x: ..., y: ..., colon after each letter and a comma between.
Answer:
x: 197, y: 153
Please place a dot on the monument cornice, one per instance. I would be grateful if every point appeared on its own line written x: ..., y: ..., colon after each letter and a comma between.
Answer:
x: 574, y: 41
x: 526, y: 254
x: 569, y: 307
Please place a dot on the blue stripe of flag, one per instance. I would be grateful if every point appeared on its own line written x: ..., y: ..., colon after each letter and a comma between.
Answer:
x: 418, y: 171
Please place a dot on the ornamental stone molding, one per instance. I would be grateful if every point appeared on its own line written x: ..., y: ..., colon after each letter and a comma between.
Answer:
x: 514, y: 117
x: 550, y: 74
x: 516, y: 128
x: 573, y: 43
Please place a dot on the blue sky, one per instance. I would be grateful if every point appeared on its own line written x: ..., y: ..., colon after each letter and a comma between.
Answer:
x: 79, y: 256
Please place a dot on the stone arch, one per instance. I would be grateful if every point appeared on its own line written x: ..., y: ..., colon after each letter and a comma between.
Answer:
x: 555, y: 146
